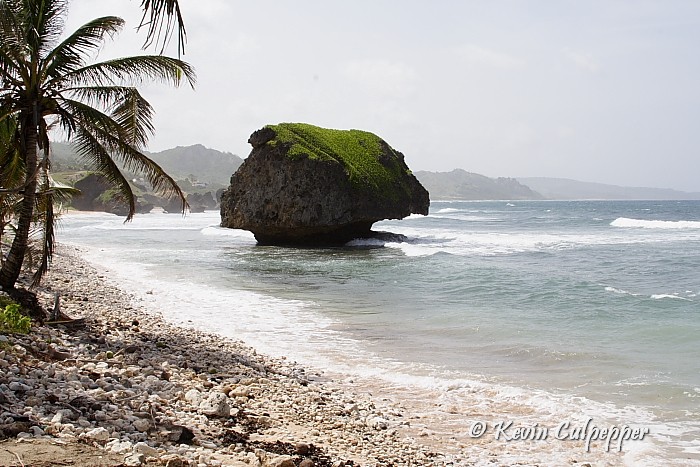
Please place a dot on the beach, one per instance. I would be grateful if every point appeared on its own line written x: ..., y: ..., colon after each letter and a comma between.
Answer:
x: 126, y: 387
x: 128, y: 379
x: 528, y: 333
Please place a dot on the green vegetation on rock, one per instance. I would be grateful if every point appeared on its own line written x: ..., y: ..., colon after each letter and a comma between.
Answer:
x: 358, y: 151
x: 110, y: 196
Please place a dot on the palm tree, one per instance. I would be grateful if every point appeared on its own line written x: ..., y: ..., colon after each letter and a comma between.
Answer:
x: 47, y: 82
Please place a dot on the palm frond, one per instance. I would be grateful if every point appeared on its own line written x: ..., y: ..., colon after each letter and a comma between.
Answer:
x: 72, y: 52
x: 114, y: 140
x: 8, y: 109
x: 43, y: 24
x: 96, y: 154
x: 45, y: 211
x: 160, y: 181
x: 72, y: 114
x: 134, y: 114
x: 131, y: 70
x: 61, y: 193
x: 11, y: 70
x: 133, y: 160
x: 12, y: 168
x: 101, y: 96
x: 10, y: 24
x: 163, y: 18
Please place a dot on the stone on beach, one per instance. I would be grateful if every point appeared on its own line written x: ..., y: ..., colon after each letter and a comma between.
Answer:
x: 97, y: 434
x: 216, y: 405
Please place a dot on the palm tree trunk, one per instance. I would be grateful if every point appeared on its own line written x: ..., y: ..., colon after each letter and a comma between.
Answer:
x: 12, y: 266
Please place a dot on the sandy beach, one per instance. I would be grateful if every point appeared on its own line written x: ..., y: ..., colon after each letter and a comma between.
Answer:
x: 128, y: 388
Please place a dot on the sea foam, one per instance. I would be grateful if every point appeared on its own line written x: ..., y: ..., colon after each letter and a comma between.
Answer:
x: 654, y: 224
x: 216, y: 231
x: 662, y: 296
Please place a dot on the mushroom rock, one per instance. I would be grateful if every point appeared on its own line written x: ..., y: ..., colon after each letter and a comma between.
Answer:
x: 305, y: 185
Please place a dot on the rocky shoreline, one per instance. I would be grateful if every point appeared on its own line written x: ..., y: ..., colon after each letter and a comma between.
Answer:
x: 124, y: 387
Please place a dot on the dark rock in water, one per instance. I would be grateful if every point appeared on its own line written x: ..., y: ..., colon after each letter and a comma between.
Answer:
x: 96, y: 194
x: 198, y: 202
x: 389, y: 237
x: 219, y: 192
x: 144, y: 208
x: 172, y: 205
x: 305, y: 185
x: 91, y: 187
x: 206, y: 200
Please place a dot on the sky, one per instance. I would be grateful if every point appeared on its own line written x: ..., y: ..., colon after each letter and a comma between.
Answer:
x: 599, y: 91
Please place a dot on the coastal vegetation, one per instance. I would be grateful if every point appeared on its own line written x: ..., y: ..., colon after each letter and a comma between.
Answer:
x: 360, y: 152
x: 48, y: 84
x: 11, y: 319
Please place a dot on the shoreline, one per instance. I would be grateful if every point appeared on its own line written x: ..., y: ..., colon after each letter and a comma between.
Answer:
x: 138, y: 387
x: 234, y: 401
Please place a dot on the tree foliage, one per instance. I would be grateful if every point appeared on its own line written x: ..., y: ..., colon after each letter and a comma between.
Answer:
x: 163, y: 18
x: 47, y: 82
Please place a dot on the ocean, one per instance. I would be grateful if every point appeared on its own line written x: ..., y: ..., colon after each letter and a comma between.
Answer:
x: 540, y: 311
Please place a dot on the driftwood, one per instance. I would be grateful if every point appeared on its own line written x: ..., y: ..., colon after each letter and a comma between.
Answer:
x: 58, y: 318
x: 68, y: 323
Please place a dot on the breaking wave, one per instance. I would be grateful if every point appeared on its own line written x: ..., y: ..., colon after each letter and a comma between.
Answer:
x: 654, y: 224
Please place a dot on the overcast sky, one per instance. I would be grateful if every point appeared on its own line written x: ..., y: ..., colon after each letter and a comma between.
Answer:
x: 603, y: 91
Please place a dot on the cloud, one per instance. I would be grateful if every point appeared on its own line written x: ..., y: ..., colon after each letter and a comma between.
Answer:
x: 518, y: 136
x: 483, y: 56
x: 209, y: 10
x: 583, y: 61
x: 383, y: 77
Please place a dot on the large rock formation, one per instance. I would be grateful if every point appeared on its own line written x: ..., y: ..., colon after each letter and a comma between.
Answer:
x: 307, y: 185
x: 96, y: 194
x: 199, y: 202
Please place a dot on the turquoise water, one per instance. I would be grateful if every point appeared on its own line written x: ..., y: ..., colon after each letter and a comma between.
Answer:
x: 592, y: 299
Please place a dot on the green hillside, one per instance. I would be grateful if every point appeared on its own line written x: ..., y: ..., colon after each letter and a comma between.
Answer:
x: 460, y: 184
x: 207, y: 166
